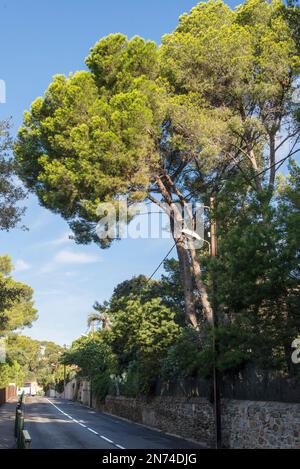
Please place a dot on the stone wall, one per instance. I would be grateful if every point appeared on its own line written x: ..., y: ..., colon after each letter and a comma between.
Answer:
x: 246, y: 424
x: 249, y: 424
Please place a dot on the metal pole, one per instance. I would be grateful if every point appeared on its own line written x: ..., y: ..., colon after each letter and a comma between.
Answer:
x: 20, y: 429
x: 18, y: 412
x: 64, y: 381
x: 91, y: 394
x: 216, y: 377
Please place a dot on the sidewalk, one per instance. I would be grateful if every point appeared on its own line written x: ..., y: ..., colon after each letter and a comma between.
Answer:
x: 7, y: 422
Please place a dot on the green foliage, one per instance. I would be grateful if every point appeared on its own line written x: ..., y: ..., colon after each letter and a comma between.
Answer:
x: 237, y: 69
x: 216, y: 96
x: 139, y: 287
x: 94, y: 357
x: 141, y: 331
x: 49, y: 370
x: 141, y: 334
x: 35, y: 360
x: 10, y: 193
x: 205, y: 112
x: 115, y: 62
x: 236, y: 346
x: 132, y: 385
x: 293, y: 18
x: 192, y: 357
x: 183, y: 358
x: 25, y: 351
x: 89, y: 353
x: 257, y: 275
x: 144, y: 329
x: 11, y: 373
x: 89, y: 139
x: 102, y: 384
x: 226, y: 55
x: 169, y: 289
x: 16, y: 305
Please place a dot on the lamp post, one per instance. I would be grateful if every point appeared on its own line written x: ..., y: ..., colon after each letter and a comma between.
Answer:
x: 216, y: 377
x: 65, y: 375
x: 213, y: 250
x: 64, y: 381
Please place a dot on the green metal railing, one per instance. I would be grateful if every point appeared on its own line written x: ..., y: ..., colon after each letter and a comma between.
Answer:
x: 23, y: 439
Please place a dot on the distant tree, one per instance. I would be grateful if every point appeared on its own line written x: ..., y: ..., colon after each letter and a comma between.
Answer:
x: 26, y: 352
x: 16, y: 304
x: 100, y: 316
x: 94, y: 359
x: 11, y: 372
x: 10, y: 192
x: 49, y: 370
x: 29, y: 359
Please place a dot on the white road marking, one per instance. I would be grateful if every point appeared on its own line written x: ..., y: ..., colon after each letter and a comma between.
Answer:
x: 93, y: 431
x: 106, y: 439
x: 84, y: 426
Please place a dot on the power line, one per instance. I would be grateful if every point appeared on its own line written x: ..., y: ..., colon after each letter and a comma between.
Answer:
x: 139, y: 290
x: 249, y: 180
x: 165, y: 258
x: 280, y: 163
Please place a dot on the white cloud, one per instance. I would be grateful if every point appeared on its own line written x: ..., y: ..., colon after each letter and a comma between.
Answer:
x: 71, y: 257
x: 71, y: 274
x: 21, y: 266
x: 64, y: 239
x: 67, y: 257
x: 49, y: 292
x: 42, y: 219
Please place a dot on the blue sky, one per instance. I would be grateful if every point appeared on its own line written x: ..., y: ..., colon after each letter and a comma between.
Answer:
x: 39, y: 39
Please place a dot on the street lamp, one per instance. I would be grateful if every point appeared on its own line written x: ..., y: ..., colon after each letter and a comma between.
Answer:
x: 194, y: 235
x: 213, y: 248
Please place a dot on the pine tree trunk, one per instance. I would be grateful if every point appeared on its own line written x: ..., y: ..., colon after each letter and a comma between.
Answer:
x: 207, y: 309
x: 187, y: 281
x: 183, y: 256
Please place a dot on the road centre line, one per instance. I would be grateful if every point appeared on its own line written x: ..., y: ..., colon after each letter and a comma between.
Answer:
x: 84, y: 426
x: 106, y: 439
x: 93, y: 431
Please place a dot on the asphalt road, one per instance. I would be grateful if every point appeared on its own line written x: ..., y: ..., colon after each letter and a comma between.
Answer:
x: 60, y: 424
